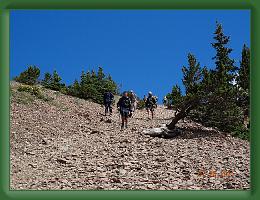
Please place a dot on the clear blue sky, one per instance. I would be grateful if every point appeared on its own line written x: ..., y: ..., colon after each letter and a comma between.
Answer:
x: 142, y: 49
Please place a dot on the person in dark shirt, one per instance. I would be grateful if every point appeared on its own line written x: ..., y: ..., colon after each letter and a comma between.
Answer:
x: 150, y: 104
x: 124, y: 106
x: 108, y: 100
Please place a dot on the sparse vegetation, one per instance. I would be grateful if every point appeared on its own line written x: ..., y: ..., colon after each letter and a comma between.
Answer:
x: 91, y: 86
x: 33, y: 90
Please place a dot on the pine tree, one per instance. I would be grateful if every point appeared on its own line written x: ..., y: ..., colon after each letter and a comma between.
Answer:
x: 93, y: 75
x: 176, y: 94
x: 225, y: 69
x: 243, y: 82
x: 92, y: 86
x: 192, y: 75
x: 100, y: 74
x: 74, y: 89
x: 29, y: 76
x: 47, y: 79
x: 83, y: 86
x: 53, y: 82
x: 56, y: 81
x: 243, y: 78
x: 225, y: 115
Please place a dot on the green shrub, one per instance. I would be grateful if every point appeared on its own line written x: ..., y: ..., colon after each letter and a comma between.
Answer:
x: 140, y: 104
x: 33, y: 90
x: 241, y: 132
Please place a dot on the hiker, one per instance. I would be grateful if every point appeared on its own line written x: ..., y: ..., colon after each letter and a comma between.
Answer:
x: 165, y: 101
x: 150, y: 104
x: 124, y: 106
x: 133, y: 100
x: 108, y: 100
x: 144, y: 99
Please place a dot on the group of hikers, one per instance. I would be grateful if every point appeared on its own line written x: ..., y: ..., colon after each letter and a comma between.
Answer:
x: 127, y: 104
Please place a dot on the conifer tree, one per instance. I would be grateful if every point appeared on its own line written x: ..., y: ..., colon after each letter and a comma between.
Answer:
x: 192, y: 77
x: 176, y: 94
x: 47, y: 79
x: 74, y: 89
x: 225, y: 115
x: 243, y: 72
x: 29, y: 76
x: 243, y: 82
x: 100, y: 74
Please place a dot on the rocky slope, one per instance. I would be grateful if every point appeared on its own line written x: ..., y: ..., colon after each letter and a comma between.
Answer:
x: 67, y: 143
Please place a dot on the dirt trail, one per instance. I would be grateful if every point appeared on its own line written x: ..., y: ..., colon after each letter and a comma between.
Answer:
x: 67, y: 143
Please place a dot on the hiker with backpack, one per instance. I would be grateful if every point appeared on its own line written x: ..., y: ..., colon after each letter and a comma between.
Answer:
x: 150, y: 104
x: 144, y: 99
x: 165, y: 101
x: 124, y: 106
x: 108, y: 100
x: 133, y: 100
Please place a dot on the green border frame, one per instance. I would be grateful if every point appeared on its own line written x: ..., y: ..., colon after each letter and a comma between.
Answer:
x: 7, y: 5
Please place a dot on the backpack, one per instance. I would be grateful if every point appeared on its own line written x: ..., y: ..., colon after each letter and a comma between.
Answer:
x: 125, y: 102
x: 108, y: 97
x: 154, y: 99
x: 151, y: 101
x: 132, y: 97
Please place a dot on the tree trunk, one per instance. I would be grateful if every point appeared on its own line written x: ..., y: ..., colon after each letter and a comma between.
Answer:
x: 182, y: 114
x: 191, y: 104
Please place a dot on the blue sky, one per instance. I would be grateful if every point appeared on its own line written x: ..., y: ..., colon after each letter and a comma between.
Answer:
x: 143, y: 50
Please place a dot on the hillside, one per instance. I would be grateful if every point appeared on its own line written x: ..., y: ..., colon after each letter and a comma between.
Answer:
x: 64, y: 142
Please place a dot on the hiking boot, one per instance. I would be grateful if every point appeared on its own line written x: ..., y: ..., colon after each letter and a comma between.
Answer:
x: 122, y: 127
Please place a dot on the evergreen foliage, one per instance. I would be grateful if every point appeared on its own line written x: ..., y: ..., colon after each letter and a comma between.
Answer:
x: 211, y: 96
x: 29, y: 76
x: 243, y: 80
x: 93, y: 85
x: 53, y: 82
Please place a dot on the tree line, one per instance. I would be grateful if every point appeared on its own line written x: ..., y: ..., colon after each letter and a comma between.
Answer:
x: 91, y: 85
x: 217, y: 97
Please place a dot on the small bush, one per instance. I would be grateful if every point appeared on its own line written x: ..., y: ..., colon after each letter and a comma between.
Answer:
x: 241, y: 132
x: 140, y: 104
x: 33, y: 90
x: 27, y: 88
